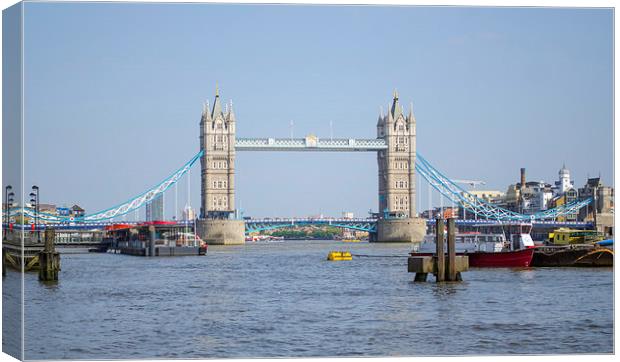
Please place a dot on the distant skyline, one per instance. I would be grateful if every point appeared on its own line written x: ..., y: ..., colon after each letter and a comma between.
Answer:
x: 114, y: 93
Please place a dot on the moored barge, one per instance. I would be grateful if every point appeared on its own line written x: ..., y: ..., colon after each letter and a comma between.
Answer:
x: 575, y: 255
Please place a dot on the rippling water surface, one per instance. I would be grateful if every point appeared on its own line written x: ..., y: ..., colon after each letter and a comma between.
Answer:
x: 285, y: 299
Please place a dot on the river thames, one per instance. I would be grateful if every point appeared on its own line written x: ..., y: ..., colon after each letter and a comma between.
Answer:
x: 285, y: 300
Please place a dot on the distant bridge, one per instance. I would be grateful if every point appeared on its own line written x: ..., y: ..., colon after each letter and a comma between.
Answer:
x: 369, y: 224
x: 256, y: 225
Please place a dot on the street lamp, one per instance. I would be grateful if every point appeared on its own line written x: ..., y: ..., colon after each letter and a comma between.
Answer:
x: 8, y: 199
x: 37, y: 200
x: 33, y: 204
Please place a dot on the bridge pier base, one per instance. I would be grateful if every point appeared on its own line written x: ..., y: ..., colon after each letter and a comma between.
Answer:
x: 221, y: 232
x: 409, y: 230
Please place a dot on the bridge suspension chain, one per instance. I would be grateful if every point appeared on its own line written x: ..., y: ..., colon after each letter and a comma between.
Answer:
x: 121, y: 209
x: 436, y: 179
x: 457, y: 194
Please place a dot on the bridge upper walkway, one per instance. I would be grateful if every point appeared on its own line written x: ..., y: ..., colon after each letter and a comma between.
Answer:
x: 310, y: 144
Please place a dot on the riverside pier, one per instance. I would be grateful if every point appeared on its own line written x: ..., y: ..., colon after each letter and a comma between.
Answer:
x: 155, y: 239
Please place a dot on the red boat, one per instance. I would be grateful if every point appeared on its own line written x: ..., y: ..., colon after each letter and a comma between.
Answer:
x: 503, y: 259
x: 489, y: 248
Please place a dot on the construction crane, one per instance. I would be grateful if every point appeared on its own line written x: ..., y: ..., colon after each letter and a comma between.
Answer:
x: 472, y: 183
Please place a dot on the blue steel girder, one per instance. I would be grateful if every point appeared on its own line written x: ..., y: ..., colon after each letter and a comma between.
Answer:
x: 263, y: 225
x: 458, y: 195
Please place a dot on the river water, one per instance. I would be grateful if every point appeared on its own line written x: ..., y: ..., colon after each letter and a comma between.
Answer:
x: 285, y: 300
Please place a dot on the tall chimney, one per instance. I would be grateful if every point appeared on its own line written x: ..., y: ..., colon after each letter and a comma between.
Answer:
x: 522, y: 177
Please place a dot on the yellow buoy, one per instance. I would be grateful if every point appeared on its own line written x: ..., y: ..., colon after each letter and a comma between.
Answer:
x: 339, y: 255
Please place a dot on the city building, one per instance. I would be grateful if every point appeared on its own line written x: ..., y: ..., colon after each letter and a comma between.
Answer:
x: 77, y: 211
x: 427, y: 214
x: 347, y: 215
x: 601, y: 211
x: 512, y: 197
x: 155, y: 209
x: 568, y: 196
x: 48, y: 209
x: 528, y: 197
x: 564, y: 183
x: 536, y: 196
x: 490, y: 196
x: 449, y: 212
x: 63, y: 211
x: 189, y: 213
x: 445, y: 212
x: 51, y: 209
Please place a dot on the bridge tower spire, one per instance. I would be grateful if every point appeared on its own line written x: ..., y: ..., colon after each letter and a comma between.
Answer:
x: 397, y: 162
x: 217, y: 204
x: 397, y: 177
x: 218, y: 162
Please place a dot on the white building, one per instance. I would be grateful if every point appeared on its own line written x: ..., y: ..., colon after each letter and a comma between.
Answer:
x: 564, y: 183
x: 536, y: 195
x: 189, y: 213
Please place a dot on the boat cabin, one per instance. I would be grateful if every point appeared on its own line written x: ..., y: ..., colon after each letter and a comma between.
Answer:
x: 490, y: 238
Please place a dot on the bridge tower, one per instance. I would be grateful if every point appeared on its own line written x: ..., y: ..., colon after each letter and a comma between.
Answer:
x: 397, y: 179
x: 217, y: 224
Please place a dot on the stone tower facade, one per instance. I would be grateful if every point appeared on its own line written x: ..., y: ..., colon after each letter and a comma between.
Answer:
x: 397, y: 178
x: 217, y: 139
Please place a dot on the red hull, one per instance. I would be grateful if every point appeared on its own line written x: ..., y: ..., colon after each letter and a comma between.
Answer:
x: 504, y: 259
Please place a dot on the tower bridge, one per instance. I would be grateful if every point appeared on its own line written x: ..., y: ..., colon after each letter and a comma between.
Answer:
x: 395, y: 146
x: 397, y: 161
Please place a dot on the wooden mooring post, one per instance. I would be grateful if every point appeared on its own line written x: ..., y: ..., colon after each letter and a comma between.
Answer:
x: 445, y: 267
x: 49, y: 258
x: 453, y: 274
x: 3, y: 261
x: 439, y: 251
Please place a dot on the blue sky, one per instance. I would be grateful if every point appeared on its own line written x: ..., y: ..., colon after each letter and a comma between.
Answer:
x: 113, y: 95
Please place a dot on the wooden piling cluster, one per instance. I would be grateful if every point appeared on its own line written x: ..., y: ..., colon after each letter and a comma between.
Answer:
x: 49, y: 258
x: 3, y: 261
x: 444, y: 267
